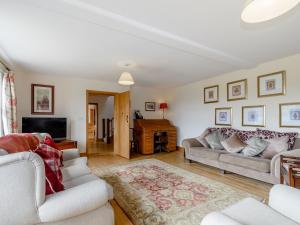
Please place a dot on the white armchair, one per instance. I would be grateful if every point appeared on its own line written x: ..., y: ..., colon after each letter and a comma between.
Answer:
x: 23, y: 200
x: 283, y: 209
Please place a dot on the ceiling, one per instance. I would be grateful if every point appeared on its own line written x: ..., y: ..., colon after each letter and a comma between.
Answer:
x: 173, y: 42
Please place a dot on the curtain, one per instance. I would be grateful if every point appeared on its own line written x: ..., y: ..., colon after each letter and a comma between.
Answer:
x: 8, y: 104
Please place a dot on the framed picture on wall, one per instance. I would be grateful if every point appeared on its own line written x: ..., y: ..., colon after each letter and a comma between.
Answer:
x: 272, y: 84
x: 223, y: 116
x: 253, y: 116
x: 150, y: 106
x: 289, y: 114
x: 211, y: 94
x: 237, y: 90
x: 42, y: 99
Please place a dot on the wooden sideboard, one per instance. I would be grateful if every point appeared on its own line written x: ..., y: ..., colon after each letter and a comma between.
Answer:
x: 145, y: 130
x: 66, y: 144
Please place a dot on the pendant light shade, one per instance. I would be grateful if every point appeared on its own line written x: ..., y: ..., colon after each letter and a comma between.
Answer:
x: 126, y: 79
x: 257, y: 11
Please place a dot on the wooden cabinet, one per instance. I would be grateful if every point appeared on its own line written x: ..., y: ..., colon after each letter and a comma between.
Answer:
x: 66, y: 144
x: 145, y: 131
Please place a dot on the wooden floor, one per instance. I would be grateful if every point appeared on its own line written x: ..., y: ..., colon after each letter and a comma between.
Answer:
x: 100, y: 148
x: 258, y: 188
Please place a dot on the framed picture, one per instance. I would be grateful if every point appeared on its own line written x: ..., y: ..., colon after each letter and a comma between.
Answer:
x: 237, y: 90
x: 271, y: 84
x: 253, y: 116
x: 42, y: 99
x: 289, y: 115
x: 149, y: 106
x: 211, y: 94
x: 223, y: 116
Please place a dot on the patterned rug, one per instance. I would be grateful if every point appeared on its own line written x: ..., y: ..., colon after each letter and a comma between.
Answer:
x: 152, y: 192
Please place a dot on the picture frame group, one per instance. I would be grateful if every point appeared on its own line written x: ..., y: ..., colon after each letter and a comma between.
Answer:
x: 255, y: 115
x: 268, y: 85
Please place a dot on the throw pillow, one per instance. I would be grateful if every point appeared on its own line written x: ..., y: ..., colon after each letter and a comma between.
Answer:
x: 255, y: 146
x: 214, y: 140
x: 202, y: 140
x: 233, y: 144
x: 50, y: 142
x: 276, y: 145
x: 267, y: 134
x: 51, y: 158
x: 245, y: 135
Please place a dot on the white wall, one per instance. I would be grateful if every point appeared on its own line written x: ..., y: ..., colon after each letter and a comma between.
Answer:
x: 191, y: 116
x: 70, y: 99
x: 140, y: 95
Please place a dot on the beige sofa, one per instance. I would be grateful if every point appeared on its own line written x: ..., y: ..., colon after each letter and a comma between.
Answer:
x: 254, y: 167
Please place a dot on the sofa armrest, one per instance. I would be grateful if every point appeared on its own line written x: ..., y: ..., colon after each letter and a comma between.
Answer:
x: 285, y: 200
x: 189, y: 143
x: 217, y: 218
x: 71, y: 153
x: 275, y: 163
x: 74, y: 201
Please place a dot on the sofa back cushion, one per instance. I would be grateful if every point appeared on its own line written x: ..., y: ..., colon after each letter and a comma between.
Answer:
x: 233, y: 144
x: 276, y: 146
x: 214, y: 140
x: 255, y: 146
x: 267, y: 134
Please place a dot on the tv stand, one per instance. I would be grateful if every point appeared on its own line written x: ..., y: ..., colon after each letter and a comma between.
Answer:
x: 66, y: 144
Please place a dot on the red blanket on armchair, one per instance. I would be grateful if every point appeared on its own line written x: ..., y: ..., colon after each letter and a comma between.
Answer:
x: 13, y: 143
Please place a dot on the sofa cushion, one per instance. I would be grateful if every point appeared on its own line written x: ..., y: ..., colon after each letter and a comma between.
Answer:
x: 202, y: 140
x: 206, y: 153
x: 251, y: 211
x: 233, y: 144
x: 276, y: 146
x: 267, y: 134
x: 255, y: 146
x: 214, y: 140
x: 258, y: 164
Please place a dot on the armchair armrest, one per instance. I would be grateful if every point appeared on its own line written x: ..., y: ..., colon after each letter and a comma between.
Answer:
x: 285, y: 200
x: 275, y: 163
x: 22, y: 178
x: 217, y: 218
x: 74, y: 201
x: 71, y: 153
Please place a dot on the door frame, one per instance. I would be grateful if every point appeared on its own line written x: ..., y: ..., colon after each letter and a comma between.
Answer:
x: 89, y: 93
x: 97, y: 121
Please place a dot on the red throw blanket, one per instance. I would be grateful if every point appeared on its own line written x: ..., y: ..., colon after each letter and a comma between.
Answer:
x: 14, y: 143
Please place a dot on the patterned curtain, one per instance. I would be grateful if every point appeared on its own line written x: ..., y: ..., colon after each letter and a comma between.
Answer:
x: 9, y: 104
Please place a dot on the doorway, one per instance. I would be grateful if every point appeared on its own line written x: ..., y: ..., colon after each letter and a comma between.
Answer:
x: 107, y: 123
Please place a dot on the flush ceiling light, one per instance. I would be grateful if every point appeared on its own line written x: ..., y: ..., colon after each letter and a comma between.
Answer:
x: 126, y: 79
x: 257, y: 11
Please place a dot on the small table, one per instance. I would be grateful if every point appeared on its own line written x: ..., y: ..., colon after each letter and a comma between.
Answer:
x: 290, y: 171
x: 66, y: 144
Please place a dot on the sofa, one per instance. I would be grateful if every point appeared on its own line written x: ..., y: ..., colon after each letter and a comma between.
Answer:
x: 281, y: 210
x: 85, y: 199
x: 265, y: 170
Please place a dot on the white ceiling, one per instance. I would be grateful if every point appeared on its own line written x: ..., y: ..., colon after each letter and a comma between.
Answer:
x: 173, y: 42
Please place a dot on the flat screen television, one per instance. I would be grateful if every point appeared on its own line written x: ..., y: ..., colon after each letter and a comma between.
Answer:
x: 56, y: 127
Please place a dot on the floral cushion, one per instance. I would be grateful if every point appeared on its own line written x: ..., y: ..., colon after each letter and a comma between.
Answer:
x: 246, y: 135
x: 267, y: 134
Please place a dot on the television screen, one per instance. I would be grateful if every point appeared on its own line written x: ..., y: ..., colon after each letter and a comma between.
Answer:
x: 56, y: 127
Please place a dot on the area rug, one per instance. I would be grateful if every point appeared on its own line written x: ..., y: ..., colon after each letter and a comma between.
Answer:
x: 152, y: 192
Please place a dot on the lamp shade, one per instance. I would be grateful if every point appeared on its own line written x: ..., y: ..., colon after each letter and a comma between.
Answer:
x: 126, y: 79
x: 257, y: 11
x: 163, y: 105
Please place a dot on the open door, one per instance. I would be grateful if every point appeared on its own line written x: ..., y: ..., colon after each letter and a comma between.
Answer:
x: 121, y: 124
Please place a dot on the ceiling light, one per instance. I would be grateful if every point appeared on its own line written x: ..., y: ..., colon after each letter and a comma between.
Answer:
x: 126, y: 79
x: 257, y: 11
